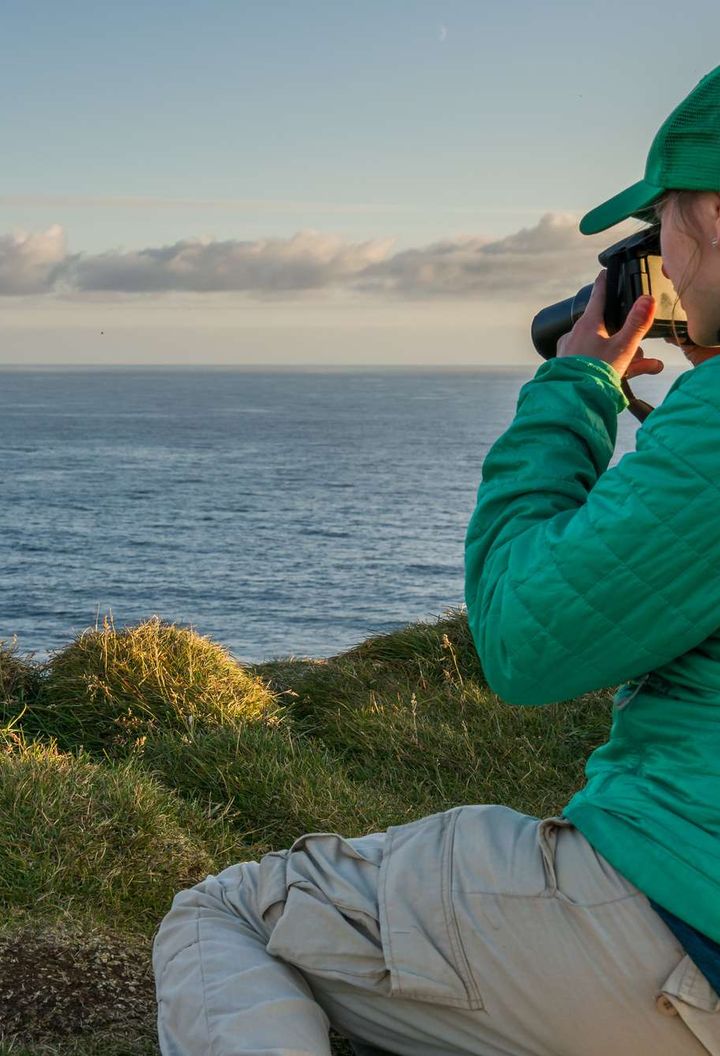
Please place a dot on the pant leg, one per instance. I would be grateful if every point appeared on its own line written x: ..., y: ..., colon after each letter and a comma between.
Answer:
x: 219, y: 993
x: 477, y: 931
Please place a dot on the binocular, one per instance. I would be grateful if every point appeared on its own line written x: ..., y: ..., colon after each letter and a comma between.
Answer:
x: 634, y: 267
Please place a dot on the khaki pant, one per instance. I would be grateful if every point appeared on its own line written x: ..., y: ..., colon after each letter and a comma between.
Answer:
x: 478, y: 930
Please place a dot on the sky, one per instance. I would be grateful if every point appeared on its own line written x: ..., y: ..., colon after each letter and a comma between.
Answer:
x: 323, y: 183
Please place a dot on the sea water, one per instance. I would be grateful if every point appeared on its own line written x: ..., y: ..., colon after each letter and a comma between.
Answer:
x: 283, y: 513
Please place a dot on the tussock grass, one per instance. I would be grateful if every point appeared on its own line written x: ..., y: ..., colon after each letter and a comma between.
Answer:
x: 412, y: 710
x: 270, y: 783
x: 110, y: 688
x: 19, y: 680
x: 136, y: 762
x: 104, y: 839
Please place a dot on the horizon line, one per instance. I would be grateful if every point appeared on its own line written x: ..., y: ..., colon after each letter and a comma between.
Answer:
x: 289, y: 368
x: 269, y: 367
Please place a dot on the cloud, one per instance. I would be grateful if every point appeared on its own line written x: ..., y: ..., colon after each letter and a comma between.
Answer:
x: 548, y: 260
x: 28, y: 262
x: 308, y: 260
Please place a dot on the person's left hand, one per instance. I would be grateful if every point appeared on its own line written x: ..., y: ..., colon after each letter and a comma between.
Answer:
x: 589, y: 336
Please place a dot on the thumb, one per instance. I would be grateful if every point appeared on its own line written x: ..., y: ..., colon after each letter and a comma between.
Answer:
x: 637, y: 324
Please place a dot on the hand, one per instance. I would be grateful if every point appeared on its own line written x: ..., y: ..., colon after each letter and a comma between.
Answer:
x: 589, y: 336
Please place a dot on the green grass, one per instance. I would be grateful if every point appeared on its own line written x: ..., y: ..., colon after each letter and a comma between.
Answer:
x: 134, y: 763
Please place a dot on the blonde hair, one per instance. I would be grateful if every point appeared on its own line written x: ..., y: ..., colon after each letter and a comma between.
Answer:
x: 684, y: 202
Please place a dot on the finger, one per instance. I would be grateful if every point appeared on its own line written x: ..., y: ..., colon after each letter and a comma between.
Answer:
x: 624, y: 344
x: 595, y: 310
x: 638, y: 322
x: 637, y: 363
x: 648, y: 366
x: 640, y: 365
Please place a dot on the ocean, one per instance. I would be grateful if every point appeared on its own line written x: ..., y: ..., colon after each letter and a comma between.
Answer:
x: 283, y: 513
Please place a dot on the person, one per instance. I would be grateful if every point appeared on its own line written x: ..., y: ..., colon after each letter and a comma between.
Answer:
x: 482, y: 930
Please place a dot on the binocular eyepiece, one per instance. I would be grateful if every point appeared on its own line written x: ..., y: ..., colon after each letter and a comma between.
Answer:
x: 634, y: 267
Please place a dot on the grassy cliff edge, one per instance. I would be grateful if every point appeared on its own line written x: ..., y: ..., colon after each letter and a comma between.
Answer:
x: 135, y: 762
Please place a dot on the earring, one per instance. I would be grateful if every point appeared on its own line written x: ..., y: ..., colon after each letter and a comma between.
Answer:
x: 714, y: 243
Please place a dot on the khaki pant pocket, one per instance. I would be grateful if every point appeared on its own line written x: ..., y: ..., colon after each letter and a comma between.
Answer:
x: 689, y: 994
x: 320, y: 900
x: 420, y: 935
x: 575, y: 872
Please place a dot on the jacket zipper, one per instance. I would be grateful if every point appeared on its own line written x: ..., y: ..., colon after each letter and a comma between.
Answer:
x: 624, y: 701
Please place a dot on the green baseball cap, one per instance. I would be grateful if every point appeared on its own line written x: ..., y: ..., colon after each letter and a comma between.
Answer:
x: 685, y: 155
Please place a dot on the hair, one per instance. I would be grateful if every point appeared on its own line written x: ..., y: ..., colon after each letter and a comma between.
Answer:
x: 684, y: 202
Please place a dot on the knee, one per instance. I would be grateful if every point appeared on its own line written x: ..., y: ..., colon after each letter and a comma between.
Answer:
x: 215, y: 902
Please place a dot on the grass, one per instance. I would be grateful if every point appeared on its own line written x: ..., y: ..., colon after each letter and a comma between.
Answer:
x: 133, y: 763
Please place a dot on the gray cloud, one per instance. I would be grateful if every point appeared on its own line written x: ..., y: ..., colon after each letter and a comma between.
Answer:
x: 29, y: 262
x: 270, y: 266
x: 547, y: 260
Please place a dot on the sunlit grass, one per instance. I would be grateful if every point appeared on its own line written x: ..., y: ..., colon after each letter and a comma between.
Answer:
x: 110, y: 688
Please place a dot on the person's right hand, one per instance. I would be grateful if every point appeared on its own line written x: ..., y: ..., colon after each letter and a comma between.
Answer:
x: 695, y: 353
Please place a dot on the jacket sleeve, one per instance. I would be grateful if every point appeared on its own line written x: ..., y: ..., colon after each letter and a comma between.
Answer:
x: 579, y: 577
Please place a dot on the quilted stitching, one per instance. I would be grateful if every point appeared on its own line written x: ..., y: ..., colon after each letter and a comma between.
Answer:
x: 522, y: 604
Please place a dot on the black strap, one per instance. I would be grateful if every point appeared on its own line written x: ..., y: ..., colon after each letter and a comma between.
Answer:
x: 640, y: 408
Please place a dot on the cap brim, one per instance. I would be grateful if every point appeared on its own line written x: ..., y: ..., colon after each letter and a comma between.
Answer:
x: 629, y: 202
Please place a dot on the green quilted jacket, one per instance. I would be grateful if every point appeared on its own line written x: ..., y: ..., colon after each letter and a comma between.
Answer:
x: 579, y: 578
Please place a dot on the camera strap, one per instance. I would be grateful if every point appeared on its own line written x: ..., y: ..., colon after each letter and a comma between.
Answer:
x: 640, y: 408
